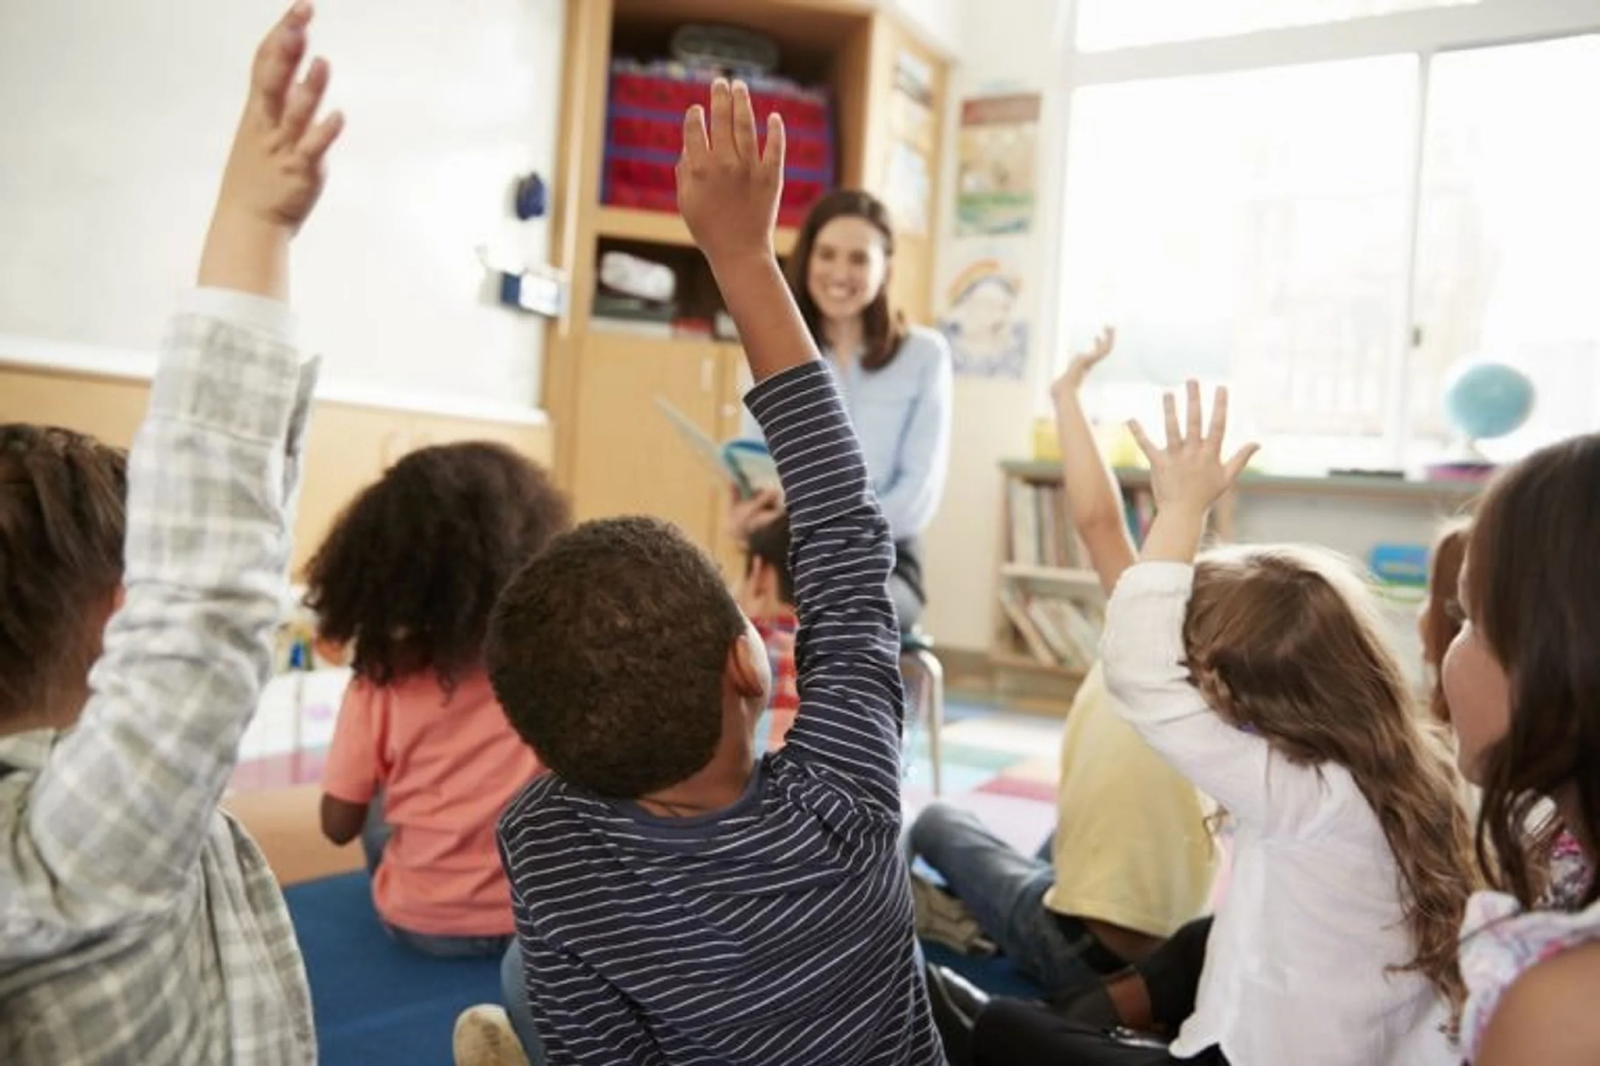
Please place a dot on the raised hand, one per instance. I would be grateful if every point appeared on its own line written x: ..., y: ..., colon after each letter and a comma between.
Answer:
x: 728, y: 188
x: 275, y: 170
x: 1072, y: 378
x: 748, y: 514
x: 1189, y: 474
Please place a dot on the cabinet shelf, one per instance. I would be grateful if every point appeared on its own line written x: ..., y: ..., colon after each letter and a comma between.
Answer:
x: 663, y: 227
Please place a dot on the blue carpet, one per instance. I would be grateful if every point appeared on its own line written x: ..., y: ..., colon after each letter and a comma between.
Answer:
x: 997, y: 976
x: 375, y: 1001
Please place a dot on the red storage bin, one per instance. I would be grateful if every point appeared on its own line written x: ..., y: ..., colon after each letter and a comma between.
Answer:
x: 644, y: 135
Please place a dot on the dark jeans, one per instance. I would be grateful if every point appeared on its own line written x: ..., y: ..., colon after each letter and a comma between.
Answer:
x: 1004, y: 890
x: 905, y: 584
x: 515, y: 993
x: 1017, y: 1031
x: 374, y: 838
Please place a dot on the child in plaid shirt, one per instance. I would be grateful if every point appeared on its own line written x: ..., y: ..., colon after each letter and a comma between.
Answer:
x: 139, y: 595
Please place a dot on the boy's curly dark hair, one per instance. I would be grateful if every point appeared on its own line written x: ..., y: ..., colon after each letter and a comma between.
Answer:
x: 607, y: 652
x: 412, y: 567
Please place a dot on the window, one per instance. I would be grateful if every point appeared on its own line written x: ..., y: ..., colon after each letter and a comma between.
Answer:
x: 1107, y: 24
x: 1250, y: 228
x: 1508, y: 245
x: 1333, y: 238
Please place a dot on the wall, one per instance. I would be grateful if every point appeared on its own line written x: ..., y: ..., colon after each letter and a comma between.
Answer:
x: 115, y: 120
x: 940, y: 21
x: 1005, y: 45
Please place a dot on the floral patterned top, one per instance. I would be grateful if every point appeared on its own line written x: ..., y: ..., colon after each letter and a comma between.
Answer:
x: 1501, y: 941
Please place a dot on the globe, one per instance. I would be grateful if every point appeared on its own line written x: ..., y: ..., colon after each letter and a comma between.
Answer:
x: 1485, y: 399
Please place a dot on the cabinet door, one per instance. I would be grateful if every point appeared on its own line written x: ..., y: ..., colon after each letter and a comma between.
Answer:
x: 630, y: 458
x: 733, y: 383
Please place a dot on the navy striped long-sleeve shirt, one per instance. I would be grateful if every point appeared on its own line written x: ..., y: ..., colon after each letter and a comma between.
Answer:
x: 778, y: 930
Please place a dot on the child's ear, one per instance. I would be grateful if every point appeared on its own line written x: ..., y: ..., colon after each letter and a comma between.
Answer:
x: 747, y: 669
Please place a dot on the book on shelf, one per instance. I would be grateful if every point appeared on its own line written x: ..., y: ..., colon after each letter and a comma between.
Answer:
x: 1056, y: 630
x: 1040, y: 533
x: 1139, y: 509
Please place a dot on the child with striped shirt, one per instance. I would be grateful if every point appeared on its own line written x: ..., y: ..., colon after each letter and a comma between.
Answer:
x: 677, y: 898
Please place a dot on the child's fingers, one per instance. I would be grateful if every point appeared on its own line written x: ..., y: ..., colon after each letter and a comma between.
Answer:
x: 304, y: 99
x: 1219, y: 418
x: 695, y: 146
x: 744, y: 124
x: 314, y: 145
x: 1240, y: 460
x: 1145, y: 444
x: 278, y: 57
x: 1191, y: 401
x: 776, y: 144
x: 721, y: 117
x: 1169, y: 409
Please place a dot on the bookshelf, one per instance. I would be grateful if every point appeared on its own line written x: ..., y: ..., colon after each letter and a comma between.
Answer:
x: 1043, y: 566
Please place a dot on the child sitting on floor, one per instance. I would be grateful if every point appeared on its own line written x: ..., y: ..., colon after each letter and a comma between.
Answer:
x: 767, y: 599
x: 1130, y: 859
x: 679, y: 899
x: 138, y: 923
x: 423, y: 760
x: 1523, y: 691
x: 1262, y: 674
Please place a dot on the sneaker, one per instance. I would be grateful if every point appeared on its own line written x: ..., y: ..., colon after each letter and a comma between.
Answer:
x: 944, y: 919
x: 484, y: 1037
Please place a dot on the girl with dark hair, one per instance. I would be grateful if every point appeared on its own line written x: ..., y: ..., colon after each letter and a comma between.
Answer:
x: 896, y: 379
x: 1522, y: 681
x: 423, y: 758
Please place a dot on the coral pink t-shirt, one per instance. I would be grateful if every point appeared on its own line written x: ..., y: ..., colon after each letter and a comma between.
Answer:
x: 448, y: 765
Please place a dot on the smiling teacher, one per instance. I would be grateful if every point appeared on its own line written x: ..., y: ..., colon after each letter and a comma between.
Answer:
x: 895, y: 378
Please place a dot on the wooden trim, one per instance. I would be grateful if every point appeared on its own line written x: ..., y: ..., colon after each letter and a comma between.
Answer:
x: 665, y: 227
x: 349, y: 445
x: 586, y: 53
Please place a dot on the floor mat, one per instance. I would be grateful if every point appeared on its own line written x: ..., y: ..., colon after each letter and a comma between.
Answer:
x: 375, y: 1001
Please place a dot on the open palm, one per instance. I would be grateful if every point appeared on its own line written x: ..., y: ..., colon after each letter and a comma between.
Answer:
x: 1189, y: 473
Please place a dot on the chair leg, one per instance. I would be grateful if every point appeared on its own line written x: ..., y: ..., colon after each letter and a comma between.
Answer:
x: 931, y: 697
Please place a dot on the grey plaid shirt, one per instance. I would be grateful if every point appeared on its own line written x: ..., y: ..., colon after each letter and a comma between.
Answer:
x: 138, y: 924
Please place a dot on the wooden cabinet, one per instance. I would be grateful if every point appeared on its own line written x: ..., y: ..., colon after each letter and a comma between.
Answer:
x: 615, y: 452
x: 629, y: 457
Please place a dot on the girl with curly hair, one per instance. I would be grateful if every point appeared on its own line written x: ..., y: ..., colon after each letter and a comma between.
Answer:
x: 423, y: 758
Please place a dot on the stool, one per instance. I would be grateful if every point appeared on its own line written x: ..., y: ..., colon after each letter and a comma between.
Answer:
x: 924, y: 680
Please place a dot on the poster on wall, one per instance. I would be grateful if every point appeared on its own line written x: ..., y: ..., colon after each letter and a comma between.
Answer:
x: 984, y: 318
x: 996, y: 149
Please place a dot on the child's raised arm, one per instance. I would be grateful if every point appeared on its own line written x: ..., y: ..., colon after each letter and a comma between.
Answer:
x: 119, y: 812
x: 728, y: 192
x: 851, y: 700
x: 1093, y: 497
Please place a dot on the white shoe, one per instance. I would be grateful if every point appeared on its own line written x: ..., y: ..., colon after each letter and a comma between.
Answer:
x: 943, y: 918
x: 484, y: 1037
